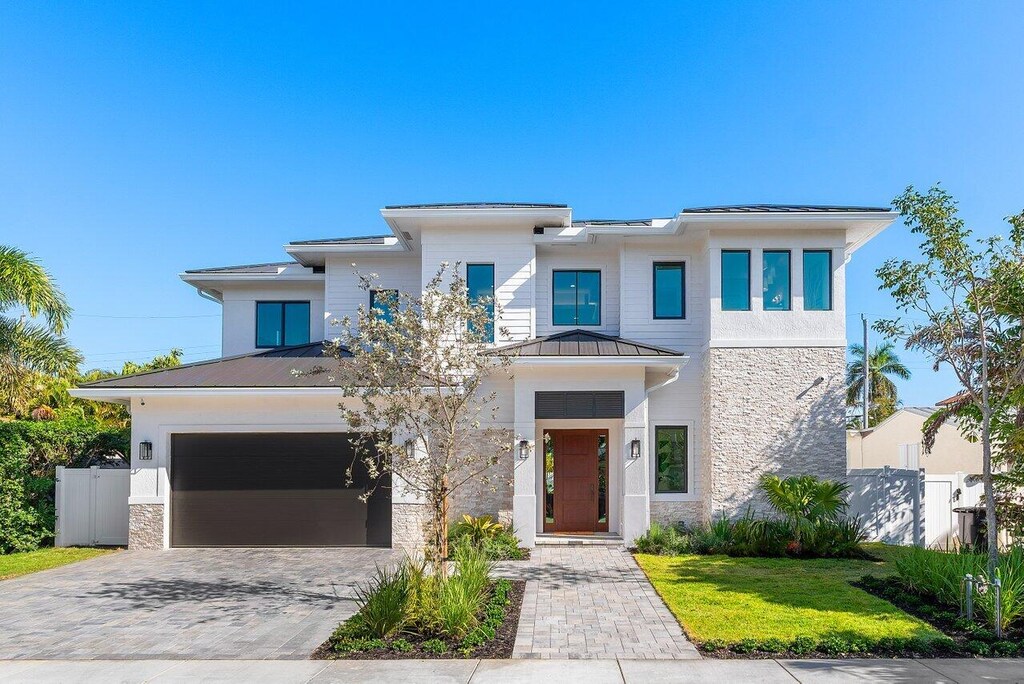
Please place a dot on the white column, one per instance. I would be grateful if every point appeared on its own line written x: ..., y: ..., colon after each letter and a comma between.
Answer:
x: 636, y: 504
x: 524, y: 489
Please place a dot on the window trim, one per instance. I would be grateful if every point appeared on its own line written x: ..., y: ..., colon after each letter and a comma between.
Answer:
x: 282, y: 302
x: 803, y: 277
x: 789, y: 275
x: 750, y: 279
x: 654, y: 290
x: 600, y: 293
x: 494, y: 291
x: 691, y: 494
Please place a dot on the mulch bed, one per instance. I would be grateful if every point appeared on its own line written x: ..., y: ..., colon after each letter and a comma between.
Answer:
x: 928, y: 609
x: 497, y: 648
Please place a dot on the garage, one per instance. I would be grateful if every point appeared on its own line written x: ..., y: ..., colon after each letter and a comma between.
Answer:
x: 274, y: 489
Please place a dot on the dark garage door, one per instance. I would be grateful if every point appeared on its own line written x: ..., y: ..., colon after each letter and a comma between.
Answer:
x: 273, y: 489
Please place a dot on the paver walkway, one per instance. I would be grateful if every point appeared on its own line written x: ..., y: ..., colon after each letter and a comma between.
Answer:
x: 184, y: 603
x: 592, y: 602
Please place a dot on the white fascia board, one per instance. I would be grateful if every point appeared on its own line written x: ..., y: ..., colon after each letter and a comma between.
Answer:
x: 561, y: 214
x: 648, y: 361
x: 118, y: 394
x: 197, y: 278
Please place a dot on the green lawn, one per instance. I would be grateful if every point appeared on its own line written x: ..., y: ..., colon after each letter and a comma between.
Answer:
x: 16, y: 564
x: 731, y: 599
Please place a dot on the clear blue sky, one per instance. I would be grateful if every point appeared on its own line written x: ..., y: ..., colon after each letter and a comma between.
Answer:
x: 138, y: 140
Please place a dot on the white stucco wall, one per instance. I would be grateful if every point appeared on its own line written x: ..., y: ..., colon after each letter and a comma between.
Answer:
x: 952, y: 453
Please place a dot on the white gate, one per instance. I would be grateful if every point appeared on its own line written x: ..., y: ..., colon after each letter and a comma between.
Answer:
x: 92, y: 506
x: 943, y: 493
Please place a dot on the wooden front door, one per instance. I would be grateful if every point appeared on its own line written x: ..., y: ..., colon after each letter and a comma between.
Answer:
x: 579, y: 491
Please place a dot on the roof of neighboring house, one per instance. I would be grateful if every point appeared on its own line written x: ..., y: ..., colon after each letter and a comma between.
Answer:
x: 272, y: 267
x: 479, y: 205
x: 585, y: 343
x: 955, y: 399
x: 779, y: 208
x: 357, y: 240
x: 263, y: 368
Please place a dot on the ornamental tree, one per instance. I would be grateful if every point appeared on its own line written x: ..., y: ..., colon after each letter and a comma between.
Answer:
x: 961, y: 307
x: 418, y: 368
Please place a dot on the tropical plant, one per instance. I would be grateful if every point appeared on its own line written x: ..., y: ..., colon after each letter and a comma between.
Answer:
x: 962, y: 306
x: 27, y: 348
x: 883, y: 364
x: 420, y: 372
x: 477, y: 529
x: 804, y: 500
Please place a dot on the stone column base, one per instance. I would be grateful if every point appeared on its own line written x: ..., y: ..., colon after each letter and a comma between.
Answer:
x: 408, y: 526
x: 145, y: 526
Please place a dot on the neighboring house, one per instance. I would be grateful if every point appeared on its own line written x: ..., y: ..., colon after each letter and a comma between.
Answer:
x: 662, y: 366
x: 923, y: 513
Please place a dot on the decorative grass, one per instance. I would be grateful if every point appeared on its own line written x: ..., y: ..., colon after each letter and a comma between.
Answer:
x: 16, y: 564
x: 727, y: 601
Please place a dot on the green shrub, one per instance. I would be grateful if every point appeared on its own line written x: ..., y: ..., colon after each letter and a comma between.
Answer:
x: 30, y: 451
x: 383, y: 601
x: 358, y: 644
x: 401, y: 645
x: 803, y: 645
x: 495, y: 540
x: 435, y: 646
x: 661, y: 540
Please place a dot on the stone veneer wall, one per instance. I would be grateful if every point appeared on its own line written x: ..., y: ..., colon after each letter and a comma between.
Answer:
x: 763, y: 412
x: 490, y: 494
x: 408, y: 526
x: 145, y: 526
x: 671, y: 512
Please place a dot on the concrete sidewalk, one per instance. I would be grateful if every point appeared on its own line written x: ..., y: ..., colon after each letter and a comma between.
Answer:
x: 514, y: 671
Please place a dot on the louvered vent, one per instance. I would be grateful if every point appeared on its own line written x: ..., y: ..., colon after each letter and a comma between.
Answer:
x: 610, y: 404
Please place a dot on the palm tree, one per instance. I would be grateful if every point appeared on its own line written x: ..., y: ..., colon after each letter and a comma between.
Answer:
x: 804, y: 501
x: 884, y: 364
x: 29, y: 349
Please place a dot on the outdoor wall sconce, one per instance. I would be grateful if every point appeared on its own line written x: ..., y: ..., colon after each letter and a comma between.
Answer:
x: 524, y: 450
x: 146, y: 451
x: 410, y: 448
x: 634, y: 449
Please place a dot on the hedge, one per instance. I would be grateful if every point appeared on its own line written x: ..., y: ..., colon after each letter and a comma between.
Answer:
x: 30, y: 452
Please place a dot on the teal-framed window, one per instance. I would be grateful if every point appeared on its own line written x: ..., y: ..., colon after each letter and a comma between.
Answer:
x: 669, y: 290
x: 383, y: 303
x: 776, y: 279
x: 671, y: 459
x: 281, y: 324
x: 576, y: 297
x: 735, y: 280
x: 480, y: 288
x: 817, y: 280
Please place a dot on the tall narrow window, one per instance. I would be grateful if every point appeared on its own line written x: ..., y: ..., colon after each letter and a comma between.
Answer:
x: 669, y: 289
x: 735, y: 280
x: 576, y: 298
x: 282, y: 324
x: 480, y: 286
x: 670, y: 460
x: 776, y: 280
x: 817, y: 280
x: 383, y: 303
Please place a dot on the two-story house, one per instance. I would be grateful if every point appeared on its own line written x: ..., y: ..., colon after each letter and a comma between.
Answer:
x: 662, y: 365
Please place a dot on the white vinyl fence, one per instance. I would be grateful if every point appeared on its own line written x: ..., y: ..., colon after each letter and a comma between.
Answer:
x: 907, y: 507
x: 92, y: 506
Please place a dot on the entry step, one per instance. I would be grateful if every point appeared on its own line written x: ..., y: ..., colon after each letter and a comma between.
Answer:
x: 578, y: 540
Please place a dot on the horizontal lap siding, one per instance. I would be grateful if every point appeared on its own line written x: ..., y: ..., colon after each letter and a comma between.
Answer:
x: 587, y: 257
x: 343, y: 294
x: 511, y: 251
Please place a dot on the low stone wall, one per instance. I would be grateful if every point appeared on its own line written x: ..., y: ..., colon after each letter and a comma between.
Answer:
x: 669, y: 513
x: 408, y: 526
x: 145, y: 526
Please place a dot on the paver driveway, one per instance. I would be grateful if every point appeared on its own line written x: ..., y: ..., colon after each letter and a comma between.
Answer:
x: 184, y: 603
x: 592, y: 602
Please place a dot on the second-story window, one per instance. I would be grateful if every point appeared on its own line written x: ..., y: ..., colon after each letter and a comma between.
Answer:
x: 817, y: 280
x: 576, y: 298
x: 480, y: 286
x: 282, y: 324
x: 383, y: 303
x: 776, y: 280
x: 669, y: 289
x: 735, y: 280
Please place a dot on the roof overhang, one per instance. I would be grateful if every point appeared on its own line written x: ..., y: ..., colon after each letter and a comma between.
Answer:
x: 860, y: 226
x: 664, y: 362
x: 315, y: 254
